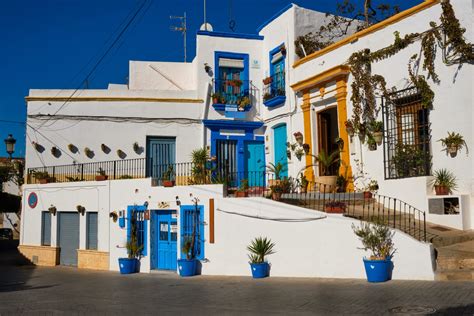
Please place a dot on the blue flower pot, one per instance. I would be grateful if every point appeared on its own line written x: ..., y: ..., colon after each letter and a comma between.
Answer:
x: 127, y: 265
x: 378, y: 270
x: 186, y: 267
x: 260, y: 270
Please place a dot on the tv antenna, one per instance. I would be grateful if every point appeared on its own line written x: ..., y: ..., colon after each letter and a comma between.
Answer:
x: 182, y: 28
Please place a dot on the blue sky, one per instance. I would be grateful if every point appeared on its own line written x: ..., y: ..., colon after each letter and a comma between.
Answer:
x: 48, y: 44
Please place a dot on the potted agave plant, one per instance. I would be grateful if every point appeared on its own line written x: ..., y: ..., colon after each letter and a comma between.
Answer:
x: 131, y: 263
x: 453, y: 143
x: 259, y: 248
x: 444, y: 182
x: 378, y: 239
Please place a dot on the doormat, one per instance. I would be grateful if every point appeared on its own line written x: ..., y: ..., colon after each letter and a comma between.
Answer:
x: 441, y: 229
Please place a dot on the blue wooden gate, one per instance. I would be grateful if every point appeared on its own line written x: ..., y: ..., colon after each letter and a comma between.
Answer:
x: 161, y: 153
x: 164, y: 236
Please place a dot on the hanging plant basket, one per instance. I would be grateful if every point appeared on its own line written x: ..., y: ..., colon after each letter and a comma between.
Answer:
x: 453, y: 151
x: 378, y: 137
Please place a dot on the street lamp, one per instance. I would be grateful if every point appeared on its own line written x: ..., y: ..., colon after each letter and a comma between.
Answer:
x: 10, y: 144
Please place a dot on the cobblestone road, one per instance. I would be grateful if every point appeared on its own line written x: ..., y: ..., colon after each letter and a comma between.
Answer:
x: 61, y: 290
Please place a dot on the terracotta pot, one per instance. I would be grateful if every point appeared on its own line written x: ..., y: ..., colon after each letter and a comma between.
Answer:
x: 101, y: 178
x: 441, y: 190
x: 327, y: 183
x: 240, y: 194
x: 168, y: 183
x: 367, y: 195
x: 215, y: 100
x: 334, y: 209
x: 453, y: 151
x: 378, y: 137
x: 276, y: 196
x: 43, y: 181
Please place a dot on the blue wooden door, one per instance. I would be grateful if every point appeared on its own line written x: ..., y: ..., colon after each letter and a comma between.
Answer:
x: 165, y: 235
x: 161, y: 153
x: 255, y: 163
x: 279, y: 145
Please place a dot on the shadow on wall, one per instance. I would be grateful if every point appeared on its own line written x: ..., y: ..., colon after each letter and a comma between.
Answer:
x: 15, y: 270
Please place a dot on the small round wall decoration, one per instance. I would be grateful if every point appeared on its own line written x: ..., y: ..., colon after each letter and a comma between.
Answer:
x: 32, y: 200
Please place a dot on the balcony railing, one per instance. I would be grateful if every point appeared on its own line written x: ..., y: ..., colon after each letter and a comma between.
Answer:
x: 274, y: 92
x: 235, y: 93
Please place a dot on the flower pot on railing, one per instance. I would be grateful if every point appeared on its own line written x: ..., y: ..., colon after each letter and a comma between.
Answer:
x: 168, y: 183
x: 241, y: 194
x: 101, y: 177
x: 367, y: 195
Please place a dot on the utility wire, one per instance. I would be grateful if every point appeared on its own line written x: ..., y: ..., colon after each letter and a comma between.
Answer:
x: 102, y: 58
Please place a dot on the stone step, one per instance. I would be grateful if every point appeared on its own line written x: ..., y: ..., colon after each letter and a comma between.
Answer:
x: 455, y: 275
x: 446, y: 263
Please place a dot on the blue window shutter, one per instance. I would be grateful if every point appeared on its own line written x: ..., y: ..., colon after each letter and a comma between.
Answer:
x: 92, y: 230
x: 187, y: 220
x: 46, y: 228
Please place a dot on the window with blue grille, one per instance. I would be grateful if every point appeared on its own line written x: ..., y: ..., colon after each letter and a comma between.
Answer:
x: 192, y: 220
x: 46, y: 228
x: 137, y: 213
x: 91, y: 230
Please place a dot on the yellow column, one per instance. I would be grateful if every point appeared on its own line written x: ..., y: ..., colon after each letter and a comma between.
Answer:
x: 341, y: 97
x: 306, y: 107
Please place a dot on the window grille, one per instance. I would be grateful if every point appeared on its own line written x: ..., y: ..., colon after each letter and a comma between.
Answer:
x: 193, y: 219
x: 406, y: 135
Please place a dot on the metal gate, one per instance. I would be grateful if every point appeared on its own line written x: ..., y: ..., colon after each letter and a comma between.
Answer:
x: 68, y: 237
x: 226, y: 154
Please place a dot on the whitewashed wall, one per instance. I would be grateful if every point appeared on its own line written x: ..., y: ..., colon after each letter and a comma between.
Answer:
x: 452, y: 108
x: 319, y: 248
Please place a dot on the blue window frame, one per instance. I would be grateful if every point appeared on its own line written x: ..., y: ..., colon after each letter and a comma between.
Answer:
x: 275, y: 92
x: 232, y: 76
x: 138, y: 213
x: 91, y: 230
x: 192, y: 217
x: 45, y: 228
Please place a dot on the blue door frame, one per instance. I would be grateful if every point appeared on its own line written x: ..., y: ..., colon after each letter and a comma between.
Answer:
x: 164, y: 239
x: 279, y: 147
x: 248, y: 127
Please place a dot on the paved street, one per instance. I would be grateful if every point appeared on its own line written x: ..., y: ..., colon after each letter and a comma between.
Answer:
x: 35, y: 290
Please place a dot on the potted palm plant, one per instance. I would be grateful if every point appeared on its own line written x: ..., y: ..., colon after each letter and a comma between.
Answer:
x: 167, y: 177
x: 259, y: 248
x: 188, y: 266
x: 453, y: 143
x: 444, y: 182
x: 376, y: 238
x: 277, y: 191
x: 277, y: 169
x: 131, y: 263
x: 43, y: 177
x: 325, y: 160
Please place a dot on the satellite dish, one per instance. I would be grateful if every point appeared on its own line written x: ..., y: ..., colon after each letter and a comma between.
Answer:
x: 206, y: 27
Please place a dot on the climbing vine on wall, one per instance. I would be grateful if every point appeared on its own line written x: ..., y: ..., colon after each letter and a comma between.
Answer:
x: 366, y: 86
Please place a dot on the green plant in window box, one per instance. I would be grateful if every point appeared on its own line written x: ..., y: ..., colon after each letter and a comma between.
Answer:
x: 267, y: 96
x: 453, y: 143
x: 243, y: 103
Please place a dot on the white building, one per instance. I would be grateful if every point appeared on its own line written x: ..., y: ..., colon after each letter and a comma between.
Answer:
x: 135, y: 132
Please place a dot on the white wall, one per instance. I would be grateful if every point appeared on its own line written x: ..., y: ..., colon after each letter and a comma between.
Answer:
x: 147, y: 75
x: 319, y: 248
x: 452, y: 108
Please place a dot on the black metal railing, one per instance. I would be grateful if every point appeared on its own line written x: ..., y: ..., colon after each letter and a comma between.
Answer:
x: 274, y: 86
x: 233, y: 92
x: 330, y: 198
